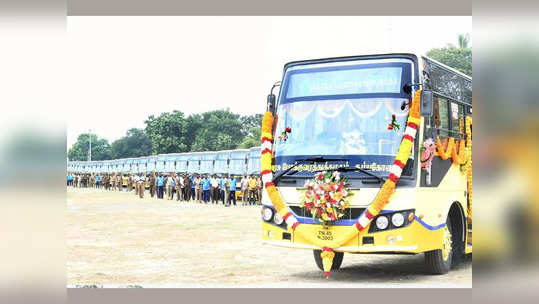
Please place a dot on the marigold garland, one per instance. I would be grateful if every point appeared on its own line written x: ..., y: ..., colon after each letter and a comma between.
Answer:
x: 445, y: 150
x: 460, y: 157
x: 469, y: 163
x: 363, y: 221
x: 327, y: 256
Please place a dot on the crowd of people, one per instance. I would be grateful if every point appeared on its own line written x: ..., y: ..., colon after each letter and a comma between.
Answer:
x: 202, y: 188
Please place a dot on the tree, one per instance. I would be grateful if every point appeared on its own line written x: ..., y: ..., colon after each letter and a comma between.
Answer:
x: 100, y: 148
x: 168, y: 132
x: 463, y: 40
x: 251, y: 128
x: 135, y: 143
x: 218, y: 130
x: 251, y: 140
x: 459, y: 58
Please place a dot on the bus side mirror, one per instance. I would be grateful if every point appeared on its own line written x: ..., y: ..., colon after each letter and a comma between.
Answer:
x: 271, y: 103
x: 427, y: 105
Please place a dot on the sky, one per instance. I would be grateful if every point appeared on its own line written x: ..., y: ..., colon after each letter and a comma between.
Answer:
x: 123, y: 69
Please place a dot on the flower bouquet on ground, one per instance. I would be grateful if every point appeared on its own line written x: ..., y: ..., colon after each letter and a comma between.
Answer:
x: 326, y: 196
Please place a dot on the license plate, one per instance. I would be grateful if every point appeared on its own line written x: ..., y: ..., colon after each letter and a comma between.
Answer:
x: 325, y: 235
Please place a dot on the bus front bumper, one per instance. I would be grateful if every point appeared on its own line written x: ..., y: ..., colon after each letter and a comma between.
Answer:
x: 414, y: 238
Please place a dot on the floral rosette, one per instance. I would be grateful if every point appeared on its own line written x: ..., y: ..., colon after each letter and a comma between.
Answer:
x: 326, y: 197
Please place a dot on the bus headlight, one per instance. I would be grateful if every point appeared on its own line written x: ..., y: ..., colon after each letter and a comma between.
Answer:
x: 397, y: 219
x: 382, y: 222
x: 267, y: 214
x: 277, y: 219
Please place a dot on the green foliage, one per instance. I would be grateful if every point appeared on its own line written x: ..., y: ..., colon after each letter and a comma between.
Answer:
x: 134, y: 144
x: 251, y: 129
x: 100, y: 148
x: 459, y: 58
x: 464, y: 39
x: 218, y: 130
x: 168, y: 132
x: 252, y: 139
x: 174, y: 133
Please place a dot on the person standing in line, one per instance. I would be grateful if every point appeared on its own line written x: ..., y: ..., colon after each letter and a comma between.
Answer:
x: 164, y: 184
x: 152, y: 184
x: 119, y: 181
x: 214, y: 183
x: 97, y: 181
x: 115, y: 181
x: 222, y: 188
x: 142, y: 189
x: 186, y: 187
x: 92, y: 180
x: 124, y: 182
x: 193, y: 187
x: 226, y: 196
x: 198, y: 189
x: 232, y: 193
x: 170, y: 186
x: 136, y: 180
x: 179, y: 187
x: 129, y: 182
x: 259, y: 187
x: 244, y: 184
x: 206, y: 189
x: 252, y: 190
x: 160, y: 185
x: 174, y: 181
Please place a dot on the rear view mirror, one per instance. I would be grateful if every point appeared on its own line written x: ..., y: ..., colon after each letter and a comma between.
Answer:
x: 271, y: 103
x: 427, y: 106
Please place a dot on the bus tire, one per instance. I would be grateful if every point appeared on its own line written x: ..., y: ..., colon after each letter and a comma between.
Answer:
x: 435, y: 261
x: 337, y: 260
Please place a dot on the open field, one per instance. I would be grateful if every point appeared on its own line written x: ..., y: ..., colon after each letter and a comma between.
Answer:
x: 116, y: 239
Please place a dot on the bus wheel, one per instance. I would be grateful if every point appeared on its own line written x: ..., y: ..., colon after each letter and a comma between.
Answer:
x: 337, y: 260
x: 439, y: 261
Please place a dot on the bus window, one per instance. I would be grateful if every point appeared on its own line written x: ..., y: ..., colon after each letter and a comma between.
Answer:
x: 457, y: 113
x: 441, y: 116
x: 440, y: 119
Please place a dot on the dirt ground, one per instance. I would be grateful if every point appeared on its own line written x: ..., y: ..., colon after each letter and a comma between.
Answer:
x: 115, y: 239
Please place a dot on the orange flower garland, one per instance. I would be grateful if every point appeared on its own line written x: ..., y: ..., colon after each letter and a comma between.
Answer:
x: 445, y: 150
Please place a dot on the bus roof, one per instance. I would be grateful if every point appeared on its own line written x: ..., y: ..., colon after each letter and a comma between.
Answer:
x: 373, y: 56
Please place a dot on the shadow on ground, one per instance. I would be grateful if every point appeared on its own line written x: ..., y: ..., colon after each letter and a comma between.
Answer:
x: 385, y: 268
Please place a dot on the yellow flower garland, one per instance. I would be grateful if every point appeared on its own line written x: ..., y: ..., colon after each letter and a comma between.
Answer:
x: 461, y: 156
x: 469, y: 163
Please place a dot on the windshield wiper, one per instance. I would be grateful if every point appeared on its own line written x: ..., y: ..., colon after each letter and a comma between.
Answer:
x: 353, y: 169
x: 299, y: 161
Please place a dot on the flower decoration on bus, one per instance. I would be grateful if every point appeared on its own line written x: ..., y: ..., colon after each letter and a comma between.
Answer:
x: 326, y: 197
x: 284, y: 135
x: 428, y: 154
x: 393, y: 125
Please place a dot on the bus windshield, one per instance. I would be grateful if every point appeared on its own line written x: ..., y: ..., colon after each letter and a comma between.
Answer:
x: 343, y: 110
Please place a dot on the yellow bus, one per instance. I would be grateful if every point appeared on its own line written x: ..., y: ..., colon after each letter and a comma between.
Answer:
x: 395, y: 130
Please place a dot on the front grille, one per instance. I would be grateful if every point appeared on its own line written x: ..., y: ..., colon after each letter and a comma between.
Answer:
x: 349, y: 213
